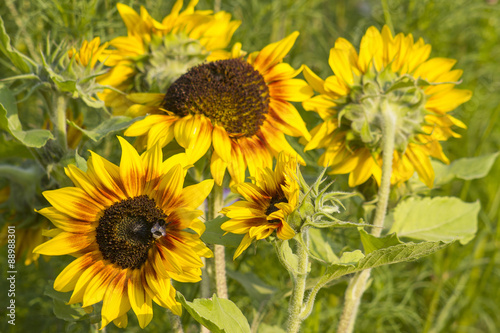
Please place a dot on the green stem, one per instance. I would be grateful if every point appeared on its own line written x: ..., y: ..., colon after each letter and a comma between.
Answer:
x: 299, y: 286
x: 176, y: 322
x: 357, y: 284
x: 215, y: 205
x: 60, y: 121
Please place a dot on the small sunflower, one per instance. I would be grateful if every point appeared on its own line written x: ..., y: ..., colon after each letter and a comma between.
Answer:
x: 89, y: 53
x: 240, y: 107
x: 391, y: 72
x: 154, y: 54
x: 266, y: 204
x: 133, y: 228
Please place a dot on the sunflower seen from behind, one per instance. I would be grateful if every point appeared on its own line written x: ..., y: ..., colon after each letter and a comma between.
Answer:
x: 132, y: 228
x: 239, y: 106
x: 388, y: 72
x: 154, y: 54
x: 266, y: 204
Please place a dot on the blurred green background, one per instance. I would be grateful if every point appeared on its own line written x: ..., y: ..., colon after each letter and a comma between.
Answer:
x: 455, y: 290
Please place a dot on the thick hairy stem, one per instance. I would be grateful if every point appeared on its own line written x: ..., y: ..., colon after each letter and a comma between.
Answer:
x: 357, y: 284
x: 299, y: 287
x: 215, y: 205
x: 60, y: 121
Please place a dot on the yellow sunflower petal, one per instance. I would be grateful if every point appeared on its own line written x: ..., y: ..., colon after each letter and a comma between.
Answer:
x: 245, y: 243
x: 217, y: 168
x: 65, y: 243
x: 421, y: 163
x: 314, y: 80
x: 221, y: 143
x: 274, y: 53
x: 67, y: 279
x: 131, y: 169
x: 140, y: 301
x: 339, y: 63
x: 116, y: 301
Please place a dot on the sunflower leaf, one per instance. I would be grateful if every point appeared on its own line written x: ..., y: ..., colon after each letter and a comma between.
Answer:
x: 257, y: 289
x: 17, y: 58
x: 217, y: 314
x: 372, y: 243
x: 436, y: 219
x: 215, y: 235
x: 9, y: 121
x: 384, y: 256
x: 107, y: 127
x: 61, y: 308
x: 464, y: 168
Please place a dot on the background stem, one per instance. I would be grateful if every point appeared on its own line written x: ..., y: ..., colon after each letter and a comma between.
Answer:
x: 299, y: 286
x: 357, y: 284
x: 215, y: 206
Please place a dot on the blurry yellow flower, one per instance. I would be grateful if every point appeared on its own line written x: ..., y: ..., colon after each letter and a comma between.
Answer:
x: 27, y: 237
x: 89, y: 53
x: 133, y: 228
x: 266, y: 204
x: 154, y: 54
x: 240, y: 107
x: 393, y: 72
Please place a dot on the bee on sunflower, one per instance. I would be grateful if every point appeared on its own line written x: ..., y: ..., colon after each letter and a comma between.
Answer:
x: 132, y: 228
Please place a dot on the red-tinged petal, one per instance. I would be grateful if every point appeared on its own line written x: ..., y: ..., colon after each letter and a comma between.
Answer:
x: 74, y: 202
x: 131, y: 170
x: 65, y: 243
x: 67, y: 279
x: 274, y: 53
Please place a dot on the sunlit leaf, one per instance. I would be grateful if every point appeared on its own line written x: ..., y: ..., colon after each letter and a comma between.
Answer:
x: 217, y: 314
x: 433, y: 219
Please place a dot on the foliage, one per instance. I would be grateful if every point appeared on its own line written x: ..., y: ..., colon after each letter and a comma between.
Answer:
x: 455, y: 289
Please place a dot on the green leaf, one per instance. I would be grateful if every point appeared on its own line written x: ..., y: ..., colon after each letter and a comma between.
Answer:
x: 62, y: 310
x: 320, y: 248
x: 467, y: 168
x: 217, y: 314
x: 109, y: 126
x: 386, y: 256
x: 254, y: 286
x: 81, y: 163
x: 215, y: 235
x: 288, y: 256
x: 351, y: 257
x: 12, y: 148
x: 372, y: 243
x: 433, y: 219
x: 9, y: 121
x: 16, y: 57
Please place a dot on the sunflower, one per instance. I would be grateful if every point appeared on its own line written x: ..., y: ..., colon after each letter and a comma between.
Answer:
x: 239, y: 106
x: 266, y: 204
x: 133, y: 228
x: 154, y: 54
x: 391, y: 72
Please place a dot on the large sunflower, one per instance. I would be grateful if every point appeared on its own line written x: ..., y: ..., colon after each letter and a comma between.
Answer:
x: 133, y: 228
x: 393, y: 72
x: 266, y: 204
x: 154, y: 54
x: 239, y: 106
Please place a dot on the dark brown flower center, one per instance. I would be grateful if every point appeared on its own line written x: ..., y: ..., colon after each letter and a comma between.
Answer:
x: 124, y: 233
x: 272, y: 207
x: 231, y: 93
